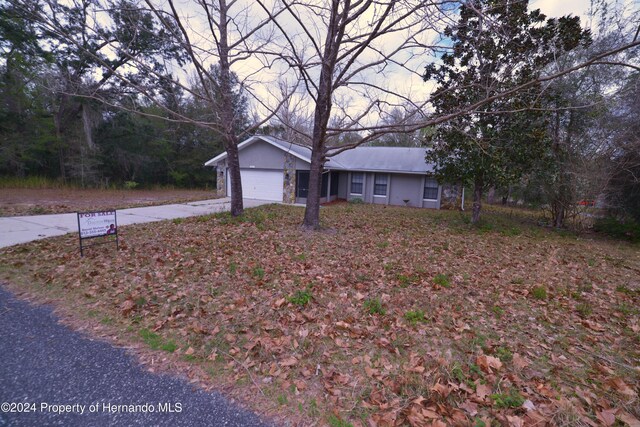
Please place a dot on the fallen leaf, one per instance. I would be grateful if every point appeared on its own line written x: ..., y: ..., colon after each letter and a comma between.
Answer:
x: 528, y: 405
x: 470, y: 407
x: 441, y: 389
x: 290, y: 361
x: 629, y: 419
x: 519, y: 362
x: 515, y: 421
x: 622, y: 387
x: 607, y: 417
x: 482, y: 391
x: 127, y: 306
x: 488, y: 362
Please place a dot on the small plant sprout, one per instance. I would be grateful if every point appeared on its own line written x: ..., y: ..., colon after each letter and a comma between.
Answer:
x: 258, y: 273
x: 374, y: 306
x: 414, y: 316
x: 300, y: 298
x: 512, y: 399
x: 539, y: 292
x: 442, y: 280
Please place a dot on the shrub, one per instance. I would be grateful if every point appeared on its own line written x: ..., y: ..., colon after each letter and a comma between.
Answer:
x: 130, y: 185
x: 626, y: 230
x: 356, y: 201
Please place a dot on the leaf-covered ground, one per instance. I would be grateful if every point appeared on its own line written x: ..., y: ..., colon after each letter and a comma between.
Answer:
x: 40, y: 201
x: 393, y: 316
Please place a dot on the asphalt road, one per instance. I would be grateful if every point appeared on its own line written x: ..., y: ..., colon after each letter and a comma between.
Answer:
x: 44, y: 363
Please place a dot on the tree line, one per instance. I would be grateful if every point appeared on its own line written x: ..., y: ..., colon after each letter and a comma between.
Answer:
x: 142, y: 88
x: 64, y: 115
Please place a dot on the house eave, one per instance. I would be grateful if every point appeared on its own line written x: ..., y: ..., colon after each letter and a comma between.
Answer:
x: 378, y: 170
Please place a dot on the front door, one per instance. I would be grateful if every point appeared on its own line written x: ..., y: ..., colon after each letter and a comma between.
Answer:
x: 302, y: 184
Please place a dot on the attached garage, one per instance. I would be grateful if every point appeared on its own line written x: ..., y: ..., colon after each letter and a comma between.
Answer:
x: 260, y: 184
x: 275, y: 170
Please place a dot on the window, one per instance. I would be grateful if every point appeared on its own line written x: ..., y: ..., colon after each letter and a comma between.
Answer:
x: 357, y: 180
x: 380, y: 184
x: 430, y: 189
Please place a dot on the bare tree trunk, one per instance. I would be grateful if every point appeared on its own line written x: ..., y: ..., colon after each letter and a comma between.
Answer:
x: 477, y: 201
x: 312, y: 211
x: 321, y: 117
x: 559, y: 215
x: 233, y: 161
x: 61, y: 155
x: 227, y: 113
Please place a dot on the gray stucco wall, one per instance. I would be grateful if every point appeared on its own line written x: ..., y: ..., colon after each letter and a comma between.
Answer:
x: 368, y: 187
x: 400, y: 187
x: 406, y: 187
x: 262, y: 155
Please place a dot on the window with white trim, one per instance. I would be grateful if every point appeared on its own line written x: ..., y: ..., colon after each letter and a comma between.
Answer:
x: 430, y: 189
x: 380, y: 184
x: 357, y: 182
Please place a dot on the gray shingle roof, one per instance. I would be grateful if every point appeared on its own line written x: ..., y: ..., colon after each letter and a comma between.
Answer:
x: 370, y: 159
x: 384, y: 159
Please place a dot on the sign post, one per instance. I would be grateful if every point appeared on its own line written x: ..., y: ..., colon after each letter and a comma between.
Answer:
x: 97, y: 224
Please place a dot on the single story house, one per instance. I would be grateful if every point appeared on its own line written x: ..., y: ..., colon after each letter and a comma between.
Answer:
x: 272, y: 169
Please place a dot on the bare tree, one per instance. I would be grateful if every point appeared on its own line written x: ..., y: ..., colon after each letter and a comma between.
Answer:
x: 357, y: 61
x: 350, y: 51
x: 292, y: 122
x: 224, y: 44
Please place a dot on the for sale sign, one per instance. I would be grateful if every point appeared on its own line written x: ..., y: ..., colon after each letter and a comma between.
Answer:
x: 95, y: 224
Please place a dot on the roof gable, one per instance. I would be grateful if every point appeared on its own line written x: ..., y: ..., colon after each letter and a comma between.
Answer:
x: 303, y: 153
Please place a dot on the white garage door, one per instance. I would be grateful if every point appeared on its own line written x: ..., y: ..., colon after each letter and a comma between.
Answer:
x: 260, y: 184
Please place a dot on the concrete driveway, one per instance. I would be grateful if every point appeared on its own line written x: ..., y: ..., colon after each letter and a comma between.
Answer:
x: 22, y: 229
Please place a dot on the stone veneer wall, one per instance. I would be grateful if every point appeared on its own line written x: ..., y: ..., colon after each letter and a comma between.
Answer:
x: 289, y: 180
x: 221, y: 185
x: 451, y: 196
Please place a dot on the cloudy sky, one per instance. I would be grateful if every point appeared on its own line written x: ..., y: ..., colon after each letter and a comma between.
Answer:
x: 555, y: 8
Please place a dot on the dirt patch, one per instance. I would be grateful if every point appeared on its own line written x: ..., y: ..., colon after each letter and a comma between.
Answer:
x: 21, y: 201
